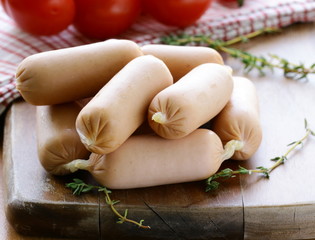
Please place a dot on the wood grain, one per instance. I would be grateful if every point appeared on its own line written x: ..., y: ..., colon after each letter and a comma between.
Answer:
x: 180, y: 211
x: 283, y: 207
x: 249, y: 207
x: 39, y: 204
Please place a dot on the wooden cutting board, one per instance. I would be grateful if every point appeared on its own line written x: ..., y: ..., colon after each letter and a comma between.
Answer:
x: 39, y: 204
x: 245, y: 207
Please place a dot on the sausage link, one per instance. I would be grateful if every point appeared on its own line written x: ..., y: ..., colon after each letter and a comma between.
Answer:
x: 149, y: 160
x: 182, y: 59
x: 58, y: 143
x: 239, y: 120
x: 120, y: 107
x: 70, y: 74
x: 192, y: 101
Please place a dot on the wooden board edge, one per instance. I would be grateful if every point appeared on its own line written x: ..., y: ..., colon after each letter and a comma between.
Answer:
x: 288, y: 222
x: 213, y: 223
x: 31, y: 218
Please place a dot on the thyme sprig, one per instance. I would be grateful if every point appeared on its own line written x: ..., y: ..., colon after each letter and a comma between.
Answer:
x: 250, y: 61
x: 212, y: 184
x: 78, y: 187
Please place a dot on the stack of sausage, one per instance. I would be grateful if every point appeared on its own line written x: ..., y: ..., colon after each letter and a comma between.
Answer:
x: 132, y: 116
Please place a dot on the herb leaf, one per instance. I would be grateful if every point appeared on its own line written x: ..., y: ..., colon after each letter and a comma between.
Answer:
x: 78, y: 187
x: 228, y: 173
x: 250, y: 61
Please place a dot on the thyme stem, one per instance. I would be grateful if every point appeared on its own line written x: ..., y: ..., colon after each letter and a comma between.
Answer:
x: 260, y: 63
x: 251, y: 35
x: 121, y: 217
x: 294, y: 145
x: 211, y: 184
x: 78, y: 187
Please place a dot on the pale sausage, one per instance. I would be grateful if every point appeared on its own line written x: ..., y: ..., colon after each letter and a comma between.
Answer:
x: 58, y: 143
x: 149, y: 160
x: 120, y: 106
x: 182, y: 59
x: 70, y: 74
x: 239, y: 120
x: 192, y: 101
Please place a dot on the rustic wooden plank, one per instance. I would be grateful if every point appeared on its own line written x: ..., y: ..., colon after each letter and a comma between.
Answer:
x: 282, y: 207
x: 179, y: 211
x: 279, y: 208
x: 39, y: 204
x: 283, y: 198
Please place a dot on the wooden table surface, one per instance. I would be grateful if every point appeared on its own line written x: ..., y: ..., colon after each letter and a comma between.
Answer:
x: 287, y: 199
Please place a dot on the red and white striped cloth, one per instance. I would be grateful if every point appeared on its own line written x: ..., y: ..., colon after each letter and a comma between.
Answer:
x: 219, y: 21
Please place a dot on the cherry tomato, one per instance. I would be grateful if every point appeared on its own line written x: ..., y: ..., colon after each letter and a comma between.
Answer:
x: 180, y: 13
x: 41, y: 17
x: 103, y: 19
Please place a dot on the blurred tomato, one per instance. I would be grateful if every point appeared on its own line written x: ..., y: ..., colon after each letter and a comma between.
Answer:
x: 180, y: 13
x: 105, y: 18
x: 41, y: 17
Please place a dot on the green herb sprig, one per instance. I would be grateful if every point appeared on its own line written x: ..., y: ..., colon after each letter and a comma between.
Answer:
x: 212, y: 184
x: 250, y: 61
x: 78, y: 187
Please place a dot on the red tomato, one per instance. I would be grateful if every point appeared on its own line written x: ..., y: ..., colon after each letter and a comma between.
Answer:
x: 105, y: 18
x: 41, y: 17
x: 180, y: 13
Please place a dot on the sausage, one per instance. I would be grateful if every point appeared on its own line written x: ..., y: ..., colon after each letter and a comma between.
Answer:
x: 120, y: 107
x: 239, y: 120
x: 190, y: 102
x: 182, y: 59
x: 58, y: 143
x: 149, y: 160
x: 69, y: 74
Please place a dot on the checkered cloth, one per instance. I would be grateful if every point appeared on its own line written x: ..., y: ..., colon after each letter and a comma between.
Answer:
x: 219, y: 21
